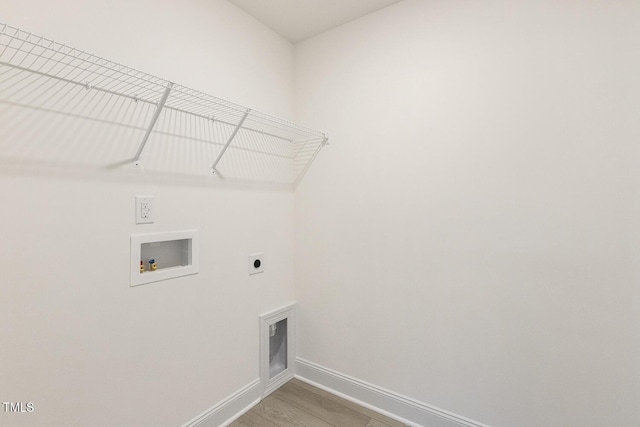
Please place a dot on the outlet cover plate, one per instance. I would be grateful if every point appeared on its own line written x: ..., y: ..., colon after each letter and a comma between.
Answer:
x: 256, y: 263
x: 144, y: 210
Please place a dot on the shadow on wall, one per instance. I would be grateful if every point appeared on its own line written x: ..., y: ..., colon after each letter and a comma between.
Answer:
x: 94, y: 143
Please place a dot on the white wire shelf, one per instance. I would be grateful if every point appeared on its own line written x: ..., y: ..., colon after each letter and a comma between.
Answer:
x: 64, y: 104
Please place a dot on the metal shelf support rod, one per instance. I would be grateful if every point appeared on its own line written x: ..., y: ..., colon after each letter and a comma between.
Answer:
x: 154, y: 119
x: 233, y: 135
x: 313, y: 157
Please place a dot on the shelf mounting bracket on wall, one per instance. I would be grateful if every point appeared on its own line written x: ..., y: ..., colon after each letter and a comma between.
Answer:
x: 304, y: 171
x: 154, y: 119
x: 226, y: 145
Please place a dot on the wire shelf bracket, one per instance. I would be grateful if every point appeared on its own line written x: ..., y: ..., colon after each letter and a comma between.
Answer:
x: 308, y: 165
x: 231, y: 137
x: 154, y: 119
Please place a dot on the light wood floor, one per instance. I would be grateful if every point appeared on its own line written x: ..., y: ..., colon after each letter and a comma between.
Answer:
x: 297, y: 404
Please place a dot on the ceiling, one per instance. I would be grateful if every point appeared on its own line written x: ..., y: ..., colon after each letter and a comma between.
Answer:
x: 297, y: 20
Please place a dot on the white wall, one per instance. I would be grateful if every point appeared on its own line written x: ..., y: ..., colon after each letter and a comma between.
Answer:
x: 75, y: 339
x: 470, y: 238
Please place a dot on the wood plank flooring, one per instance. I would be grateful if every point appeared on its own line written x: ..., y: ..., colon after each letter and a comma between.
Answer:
x: 298, y: 404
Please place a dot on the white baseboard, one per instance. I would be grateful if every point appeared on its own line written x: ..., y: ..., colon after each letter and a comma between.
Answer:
x: 227, y: 411
x: 393, y: 405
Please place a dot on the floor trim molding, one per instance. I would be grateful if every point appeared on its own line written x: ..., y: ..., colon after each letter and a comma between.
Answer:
x: 227, y: 411
x: 393, y: 405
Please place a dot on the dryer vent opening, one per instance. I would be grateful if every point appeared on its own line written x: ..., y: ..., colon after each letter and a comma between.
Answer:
x: 277, y: 349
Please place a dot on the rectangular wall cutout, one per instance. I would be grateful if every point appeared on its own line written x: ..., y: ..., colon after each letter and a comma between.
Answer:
x: 162, y: 256
x: 277, y: 348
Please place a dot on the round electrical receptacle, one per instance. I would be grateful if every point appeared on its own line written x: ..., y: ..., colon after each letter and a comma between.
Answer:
x: 257, y: 263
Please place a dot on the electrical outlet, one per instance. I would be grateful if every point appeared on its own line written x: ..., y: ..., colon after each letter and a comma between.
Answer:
x: 256, y: 263
x: 144, y: 209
